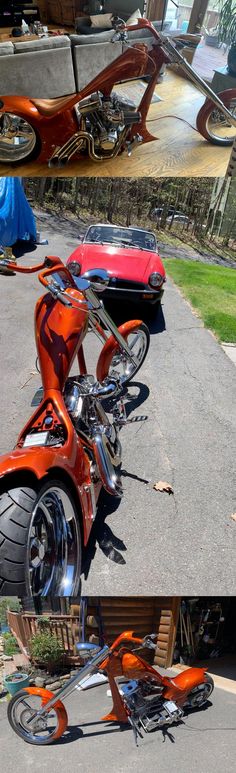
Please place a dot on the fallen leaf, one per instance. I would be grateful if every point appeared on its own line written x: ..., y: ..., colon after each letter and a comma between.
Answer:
x: 233, y: 516
x: 162, y: 485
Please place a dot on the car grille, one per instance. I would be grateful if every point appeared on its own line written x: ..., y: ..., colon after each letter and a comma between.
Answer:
x: 125, y: 284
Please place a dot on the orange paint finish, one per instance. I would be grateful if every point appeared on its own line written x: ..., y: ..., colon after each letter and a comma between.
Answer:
x: 56, y: 125
x: 124, y: 662
x: 111, y: 347
x: 59, y: 708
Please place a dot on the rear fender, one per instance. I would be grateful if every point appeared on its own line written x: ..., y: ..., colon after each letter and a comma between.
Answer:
x: 40, y: 463
x: 184, y: 682
x: 112, y: 346
x: 21, y: 106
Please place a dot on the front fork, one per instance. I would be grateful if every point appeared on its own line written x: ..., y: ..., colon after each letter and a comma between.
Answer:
x: 203, y: 87
x: 63, y: 693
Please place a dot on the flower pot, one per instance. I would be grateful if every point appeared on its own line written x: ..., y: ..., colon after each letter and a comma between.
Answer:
x: 232, y: 60
x: 15, y: 682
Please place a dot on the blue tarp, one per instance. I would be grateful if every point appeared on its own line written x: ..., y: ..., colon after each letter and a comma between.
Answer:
x: 16, y: 216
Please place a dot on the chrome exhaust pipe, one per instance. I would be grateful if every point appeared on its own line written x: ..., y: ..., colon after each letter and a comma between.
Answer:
x: 106, y: 464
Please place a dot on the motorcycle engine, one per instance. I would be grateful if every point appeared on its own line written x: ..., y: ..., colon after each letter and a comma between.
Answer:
x: 148, y: 709
x: 106, y: 119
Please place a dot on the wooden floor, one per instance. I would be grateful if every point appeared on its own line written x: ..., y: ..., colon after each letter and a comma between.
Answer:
x: 180, y: 150
x: 207, y: 58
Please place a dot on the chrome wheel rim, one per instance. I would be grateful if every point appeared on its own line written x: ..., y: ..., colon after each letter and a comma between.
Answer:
x: 200, y: 695
x: 53, y: 549
x: 17, y: 138
x: 218, y: 127
x: 121, y: 365
x: 35, y: 729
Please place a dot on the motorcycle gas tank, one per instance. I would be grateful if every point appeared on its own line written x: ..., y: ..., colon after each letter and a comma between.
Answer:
x: 59, y: 332
x: 134, y: 667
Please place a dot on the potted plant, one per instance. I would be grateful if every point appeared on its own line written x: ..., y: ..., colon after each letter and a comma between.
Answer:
x: 15, y: 682
x: 227, y: 32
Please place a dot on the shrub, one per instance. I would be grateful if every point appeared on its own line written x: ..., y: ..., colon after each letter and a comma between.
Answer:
x: 10, y: 644
x: 46, y: 648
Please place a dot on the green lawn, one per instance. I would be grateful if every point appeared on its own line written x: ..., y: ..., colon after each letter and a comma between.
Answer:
x: 212, y: 292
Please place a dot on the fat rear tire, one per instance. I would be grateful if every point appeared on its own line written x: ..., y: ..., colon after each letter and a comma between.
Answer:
x: 17, y: 506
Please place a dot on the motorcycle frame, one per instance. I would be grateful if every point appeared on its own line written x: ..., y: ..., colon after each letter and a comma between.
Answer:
x: 120, y: 661
x: 136, y: 62
x: 59, y: 334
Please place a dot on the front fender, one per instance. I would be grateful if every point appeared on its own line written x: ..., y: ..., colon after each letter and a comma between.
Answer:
x: 111, y: 347
x: 41, y: 461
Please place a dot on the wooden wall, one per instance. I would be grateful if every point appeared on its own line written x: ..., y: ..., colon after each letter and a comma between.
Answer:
x: 143, y: 615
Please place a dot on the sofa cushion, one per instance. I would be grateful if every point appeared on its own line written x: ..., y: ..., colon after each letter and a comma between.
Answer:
x: 133, y: 19
x: 98, y: 37
x: 42, y: 44
x: 87, y: 66
x: 39, y: 74
x: 101, y: 20
x: 6, y: 48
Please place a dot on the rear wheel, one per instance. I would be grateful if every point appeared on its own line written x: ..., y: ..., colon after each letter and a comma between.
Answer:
x: 120, y: 365
x: 211, y: 122
x: 18, y: 140
x: 40, y: 542
x: 22, y: 715
x: 200, y: 694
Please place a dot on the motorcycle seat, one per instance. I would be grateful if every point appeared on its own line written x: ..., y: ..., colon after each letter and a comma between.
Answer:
x: 50, y: 107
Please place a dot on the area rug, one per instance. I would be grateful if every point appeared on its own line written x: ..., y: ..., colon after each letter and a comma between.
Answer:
x: 134, y: 90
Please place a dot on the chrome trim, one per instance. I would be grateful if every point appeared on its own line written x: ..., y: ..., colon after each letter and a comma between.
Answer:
x: 90, y: 668
x: 203, y: 87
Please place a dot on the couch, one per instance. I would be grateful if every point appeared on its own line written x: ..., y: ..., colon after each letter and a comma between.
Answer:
x: 57, y: 66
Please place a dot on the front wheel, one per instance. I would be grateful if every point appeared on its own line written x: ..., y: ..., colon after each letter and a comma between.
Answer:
x: 118, y: 364
x: 40, y: 542
x: 200, y: 694
x: 18, y: 140
x: 38, y: 730
x: 212, y: 123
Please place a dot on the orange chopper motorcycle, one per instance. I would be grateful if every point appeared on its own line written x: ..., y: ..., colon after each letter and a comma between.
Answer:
x: 69, y: 449
x: 146, y: 699
x: 97, y: 122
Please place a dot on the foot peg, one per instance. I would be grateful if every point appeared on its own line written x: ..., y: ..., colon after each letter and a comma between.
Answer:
x: 134, y: 420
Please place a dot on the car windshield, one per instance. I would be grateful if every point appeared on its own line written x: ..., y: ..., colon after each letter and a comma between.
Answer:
x: 130, y: 237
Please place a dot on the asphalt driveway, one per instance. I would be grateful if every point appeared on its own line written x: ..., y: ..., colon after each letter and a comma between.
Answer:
x: 204, y: 741
x: 149, y: 542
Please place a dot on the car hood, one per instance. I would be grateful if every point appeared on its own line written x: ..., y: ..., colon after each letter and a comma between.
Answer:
x: 121, y: 262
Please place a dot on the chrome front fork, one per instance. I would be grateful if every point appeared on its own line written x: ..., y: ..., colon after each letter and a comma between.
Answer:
x: 203, y: 87
x: 90, y: 668
x: 105, y: 318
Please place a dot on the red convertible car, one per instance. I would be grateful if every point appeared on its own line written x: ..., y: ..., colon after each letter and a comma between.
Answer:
x: 130, y: 257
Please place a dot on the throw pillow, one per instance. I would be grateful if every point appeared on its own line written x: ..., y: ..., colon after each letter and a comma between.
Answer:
x: 102, y: 20
x: 133, y: 19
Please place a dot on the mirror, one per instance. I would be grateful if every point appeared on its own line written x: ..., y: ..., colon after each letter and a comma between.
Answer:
x: 98, y: 278
x: 87, y: 650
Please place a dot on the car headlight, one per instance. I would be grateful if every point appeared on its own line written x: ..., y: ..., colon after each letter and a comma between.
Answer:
x: 155, y: 279
x: 74, y: 267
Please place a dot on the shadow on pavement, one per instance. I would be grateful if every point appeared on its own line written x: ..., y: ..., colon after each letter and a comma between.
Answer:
x: 21, y: 248
x: 101, y: 534
x: 122, y: 312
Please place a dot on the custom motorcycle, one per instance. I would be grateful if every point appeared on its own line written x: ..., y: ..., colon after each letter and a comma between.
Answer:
x: 69, y: 449
x: 146, y: 700
x: 97, y: 122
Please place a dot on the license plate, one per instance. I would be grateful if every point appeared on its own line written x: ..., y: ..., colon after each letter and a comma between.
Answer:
x: 36, y: 439
x: 170, y: 706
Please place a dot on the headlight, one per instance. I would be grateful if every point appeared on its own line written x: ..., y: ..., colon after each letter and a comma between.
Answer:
x: 74, y: 267
x: 156, y: 280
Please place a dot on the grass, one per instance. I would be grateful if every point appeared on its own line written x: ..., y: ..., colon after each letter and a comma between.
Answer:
x: 212, y: 292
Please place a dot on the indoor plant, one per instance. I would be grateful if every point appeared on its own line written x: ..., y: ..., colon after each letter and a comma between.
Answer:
x: 227, y: 31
